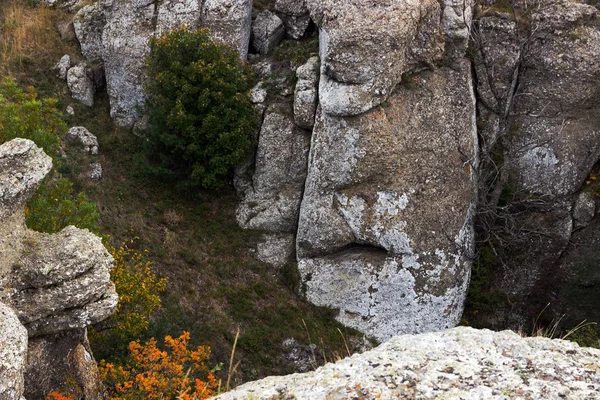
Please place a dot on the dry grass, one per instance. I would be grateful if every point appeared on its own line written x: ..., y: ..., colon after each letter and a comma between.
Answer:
x: 27, y: 33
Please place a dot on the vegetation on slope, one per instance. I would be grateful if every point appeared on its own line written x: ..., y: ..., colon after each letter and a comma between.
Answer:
x: 214, y: 285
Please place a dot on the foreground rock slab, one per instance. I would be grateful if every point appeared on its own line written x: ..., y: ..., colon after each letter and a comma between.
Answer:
x: 460, y: 363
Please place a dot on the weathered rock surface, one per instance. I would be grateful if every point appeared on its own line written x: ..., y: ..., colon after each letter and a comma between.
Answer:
x: 272, y: 202
x: 13, y: 354
x: 51, y: 358
x: 295, y: 17
x: 63, y: 66
x: 385, y: 232
x: 461, y: 363
x: 366, y: 46
x: 116, y: 34
x: 306, y: 96
x: 538, y: 86
x: 267, y: 32
x: 81, y: 86
x: 276, y: 248
x: 229, y: 22
x: 56, y: 283
x: 88, y: 140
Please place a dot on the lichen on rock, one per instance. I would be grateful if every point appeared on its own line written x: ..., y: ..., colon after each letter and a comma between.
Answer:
x: 56, y: 284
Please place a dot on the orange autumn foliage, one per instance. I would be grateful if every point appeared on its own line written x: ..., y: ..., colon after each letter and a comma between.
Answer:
x: 58, y: 396
x: 151, y: 373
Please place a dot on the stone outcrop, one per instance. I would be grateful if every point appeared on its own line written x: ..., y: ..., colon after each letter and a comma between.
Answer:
x: 267, y: 32
x: 272, y: 195
x: 385, y: 228
x: 13, y: 354
x: 306, y: 93
x: 366, y: 46
x: 81, y: 86
x: 385, y: 232
x: 461, y: 363
x: 116, y: 34
x: 538, y: 89
x: 56, y: 284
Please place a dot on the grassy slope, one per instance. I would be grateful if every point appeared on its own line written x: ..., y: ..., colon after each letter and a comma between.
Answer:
x: 214, y: 283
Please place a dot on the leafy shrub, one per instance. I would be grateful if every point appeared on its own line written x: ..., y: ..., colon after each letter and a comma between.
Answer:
x: 152, y: 373
x: 55, y: 206
x: 138, y: 288
x: 201, y: 122
x: 23, y: 115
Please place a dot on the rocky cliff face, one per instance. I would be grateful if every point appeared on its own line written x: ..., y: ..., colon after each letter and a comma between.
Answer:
x: 115, y: 34
x: 461, y: 363
x: 51, y: 288
x: 419, y: 123
x: 537, y: 75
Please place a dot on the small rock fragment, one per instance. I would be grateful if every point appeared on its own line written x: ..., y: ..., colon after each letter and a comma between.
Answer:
x: 85, y: 137
x: 267, y: 32
x: 80, y: 85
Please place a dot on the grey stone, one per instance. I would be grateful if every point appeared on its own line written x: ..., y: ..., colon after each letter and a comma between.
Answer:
x: 70, y: 111
x: 295, y: 17
x: 457, y: 16
x: 366, y: 47
x: 461, y: 363
x: 259, y: 93
x: 176, y: 13
x: 306, y: 93
x: 267, y: 32
x: 125, y: 38
x: 276, y: 249
x: 95, y: 171
x: 81, y: 86
x: 88, y: 140
x: 89, y: 24
x: 63, y: 65
x: 273, y: 200
x: 585, y: 207
x: 229, y: 22
x: 13, y: 354
x: 56, y: 283
x: 385, y: 233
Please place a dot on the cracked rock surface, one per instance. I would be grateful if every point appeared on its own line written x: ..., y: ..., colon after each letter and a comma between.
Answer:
x: 460, y: 363
x: 56, y: 284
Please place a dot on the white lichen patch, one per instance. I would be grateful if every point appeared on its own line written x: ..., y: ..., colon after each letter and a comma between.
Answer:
x: 381, y: 296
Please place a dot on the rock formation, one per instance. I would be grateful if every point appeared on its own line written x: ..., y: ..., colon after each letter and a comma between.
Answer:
x: 461, y: 363
x: 433, y: 116
x: 538, y: 85
x: 116, y: 34
x: 56, y: 285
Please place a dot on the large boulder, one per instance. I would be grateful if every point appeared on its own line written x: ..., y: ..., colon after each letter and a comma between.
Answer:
x: 272, y: 202
x: 367, y: 45
x: 57, y: 284
x: 461, y: 363
x: 385, y: 232
x: 13, y: 354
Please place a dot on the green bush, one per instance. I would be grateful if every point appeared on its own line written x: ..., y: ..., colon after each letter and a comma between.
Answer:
x: 55, y: 206
x: 23, y: 115
x: 201, y: 122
